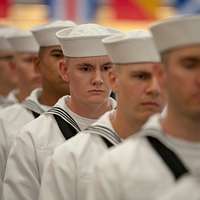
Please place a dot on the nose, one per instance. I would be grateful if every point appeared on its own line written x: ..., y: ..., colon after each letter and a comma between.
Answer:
x: 154, y: 88
x: 97, y: 78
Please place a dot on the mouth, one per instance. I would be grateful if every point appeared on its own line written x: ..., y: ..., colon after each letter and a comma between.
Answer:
x: 96, y: 91
x: 150, y: 104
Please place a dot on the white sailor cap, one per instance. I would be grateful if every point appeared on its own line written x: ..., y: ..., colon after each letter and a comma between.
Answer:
x: 4, y: 33
x: 84, y: 40
x: 23, y: 41
x: 132, y: 47
x: 176, y: 32
x: 45, y: 35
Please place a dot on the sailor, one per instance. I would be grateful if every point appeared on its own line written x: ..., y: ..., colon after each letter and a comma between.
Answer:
x: 85, y: 67
x: 163, y: 162
x: 13, y: 118
x: 68, y: 173
x: 8, y: 76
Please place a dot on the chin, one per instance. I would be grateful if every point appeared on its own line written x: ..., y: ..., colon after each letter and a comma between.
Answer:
x: 97, y: 99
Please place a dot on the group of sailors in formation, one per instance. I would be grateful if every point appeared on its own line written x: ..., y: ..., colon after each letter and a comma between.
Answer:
x: 63, y: 137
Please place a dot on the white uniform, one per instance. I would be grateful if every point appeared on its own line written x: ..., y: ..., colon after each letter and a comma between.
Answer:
x: 8, y: 100
x: 3, y: 158
x: 13, y: 118
x: 135, y: 171
x: 35, y: 144
x: 69, y: 170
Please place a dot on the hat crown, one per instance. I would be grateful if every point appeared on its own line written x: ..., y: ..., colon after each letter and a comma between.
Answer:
x: 177, y: 31
x: 120, y: 37
x: 85, y: 30
x: 53, y: 25
x: 84, y: 40
x: 46, y: 34
x: 131, y: 47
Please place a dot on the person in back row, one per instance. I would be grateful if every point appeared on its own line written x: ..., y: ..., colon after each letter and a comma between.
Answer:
x: 164, y: 162
x: 41, y: 99
x: 8, y: 76
x: 85, y: 67
x: 69, y: 171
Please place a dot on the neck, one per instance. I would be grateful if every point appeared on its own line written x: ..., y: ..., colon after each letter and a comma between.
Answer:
x: 4, y: 90
x: 180, y: 126
x: 48, y: 97
x: 123, y: 126
x: 22, y: 94
x: 91, y: 111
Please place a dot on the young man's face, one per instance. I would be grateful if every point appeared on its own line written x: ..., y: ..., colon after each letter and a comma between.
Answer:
x: 137, y: 89
x: 181, y: 78
x: 28, y: 77
x: 49, y: 61
x: 88, y: 78
x: 8, y: 74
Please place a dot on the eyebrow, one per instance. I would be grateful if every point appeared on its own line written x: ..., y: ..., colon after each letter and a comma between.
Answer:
x: 140, y: 71
x: 108, y: 63
x: 191, y: 58
x: 56, y: 51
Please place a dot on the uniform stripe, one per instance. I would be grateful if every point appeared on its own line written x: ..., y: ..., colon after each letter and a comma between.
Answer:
x: 106, y: 133
x: 33, y: 106
x: 65, y: 116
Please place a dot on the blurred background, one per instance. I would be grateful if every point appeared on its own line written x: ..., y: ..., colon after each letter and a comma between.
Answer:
x: 122, y: 14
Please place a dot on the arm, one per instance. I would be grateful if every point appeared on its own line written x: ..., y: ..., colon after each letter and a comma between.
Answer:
x: 21, y: 181
x: 59, y: 177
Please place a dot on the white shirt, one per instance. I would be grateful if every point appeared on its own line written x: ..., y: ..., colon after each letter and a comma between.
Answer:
x: 68, y: 172
x: 134, y: 170
x: 9, y: 99
x: 28, y: 155
x: 13, y: 118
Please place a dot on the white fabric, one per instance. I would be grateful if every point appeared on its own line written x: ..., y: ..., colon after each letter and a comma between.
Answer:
x: 4, y: 32
x: 26, y: 160
x: 12, y: 119
x: 84, y: 40
x: 176, y: 32
x: 131, y: 47
x: 23, y: 41
x: 68, y: 173
x: 9, y: 99
x: 3, y: 158
x: 45, y: 34
x: 134, y: 171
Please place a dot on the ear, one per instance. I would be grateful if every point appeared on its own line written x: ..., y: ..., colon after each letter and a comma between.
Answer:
x: 63, y: 70
x: 36, y: 62
x: 160, y: 72
x: 113, y: 79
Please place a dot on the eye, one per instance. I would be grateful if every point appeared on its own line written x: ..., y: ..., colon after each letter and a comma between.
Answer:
x: 58, y: 55
x: 86, y: 67
x: 107, y: 67
x: 190, y: 65
x: 142, y: 76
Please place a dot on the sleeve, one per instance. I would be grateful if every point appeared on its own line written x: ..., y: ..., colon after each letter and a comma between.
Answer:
x: 59, y: 177
x: 21, y: 181
x: 106, y: 181
x: 3, y: 155
x: 187, y: 187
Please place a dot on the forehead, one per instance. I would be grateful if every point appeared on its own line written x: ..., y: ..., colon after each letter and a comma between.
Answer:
x: 26, y: 54
x: 142, y: 67
x: 100, y: 60
x: 187, y: 51
x: 46, y: 50
x: 4, y: 53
